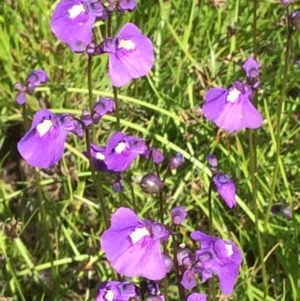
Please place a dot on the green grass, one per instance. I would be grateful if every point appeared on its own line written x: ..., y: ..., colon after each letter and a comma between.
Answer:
x: 55, y: 254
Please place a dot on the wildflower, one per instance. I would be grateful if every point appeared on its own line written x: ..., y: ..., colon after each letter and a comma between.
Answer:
x: 151, y: 183
x: 231, y: 109
x: 43, y: 144
x: 127, y: 5
x: 220, y: 257
x: 33, y: 80
x: 251, y: 67
x: 117, y: 185
x: 281, y: 207
x: 157, y: 156
x: 116, y: 291
x: 133, y: 246
x: 196, y: 297
x: 98, y: 156
x: 101, y: 108
x: 178, y: 215
x: 212, y: 162
x: 176, y: 161
x: 131, y: 55
x: 226, y: 188
x: 122, y: 150
x: 72, y: 21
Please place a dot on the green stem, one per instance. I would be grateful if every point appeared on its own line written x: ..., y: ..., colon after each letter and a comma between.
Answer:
x: 278, y: 118
x: 176, y: 267
x: 252, y: 146
x: 98, y: 185
x: 90, y: 89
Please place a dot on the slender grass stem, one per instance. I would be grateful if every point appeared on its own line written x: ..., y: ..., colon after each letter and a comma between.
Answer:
x: 176, y: 267
x: 99, y: 192
x: 252, y: 146
x: 90, y: 90
x: 278, y: 117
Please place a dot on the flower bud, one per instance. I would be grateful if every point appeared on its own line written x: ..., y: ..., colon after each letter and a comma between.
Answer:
x: 86, y: 118
x: 178, y: 215
x: 176, y: 161
x: 157, y: 156
x: 150, y: 183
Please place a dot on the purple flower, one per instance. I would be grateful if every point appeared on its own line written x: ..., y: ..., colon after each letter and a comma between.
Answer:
x: 117, y: 185
x: 101, y: 108
x: 157, y: 156
x: 220, y: 257
x: 33, y: 80
x: 43, y: 144
x: 226, y: 188
x: 188, y: 280
x: 116, y: 291
x: 127, y: 5
x: 231, y: 109
x: 133, y: 246
x: 131, y: 55
x: 176, y: 161
x: 251, y: 67
x: 286, y: 2
x: 196, y: 297
x: 72, y: 21
x: 178, y: 215
x: 122, y: 150
x: 98, y: 156
x: 212, y: 160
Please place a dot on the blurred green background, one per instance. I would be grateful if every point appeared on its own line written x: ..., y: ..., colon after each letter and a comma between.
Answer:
x: 49, y: 250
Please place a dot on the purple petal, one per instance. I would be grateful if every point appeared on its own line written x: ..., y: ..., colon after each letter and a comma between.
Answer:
x: 215, y: 101
x: 21, y: 98
x: 71, y: 22
x: 188, y: 280
x: 196, y: 297
x: 45, y: 147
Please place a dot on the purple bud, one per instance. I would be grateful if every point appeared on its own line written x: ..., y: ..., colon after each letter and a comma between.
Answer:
x: 212, y: 160
x: 151, y: 183
x: 251, y: 67
x: 96, y: 9
x: 102, y: 107
x: 178, y: 215
x: 286, y: 2
x: 226, y: 188
x: 37, y: 77
x: 21, y: 98
x: 295, y: 19
x: 117, y: 186
x: 157, y: 156
x: 286, y: 212
x: 86, y: 118
x: 127, y: 5
x: 176, y: 161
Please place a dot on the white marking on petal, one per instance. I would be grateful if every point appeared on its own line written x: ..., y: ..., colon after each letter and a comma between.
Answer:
x: 100, y: 156
x: 233, y: 95
x: 138, y: 234
x: 126, y: 44
x: 76, y: 10
x: 120, y: 147
x: 229, y: 250
x: 44, y: 127
x: 109, y: 295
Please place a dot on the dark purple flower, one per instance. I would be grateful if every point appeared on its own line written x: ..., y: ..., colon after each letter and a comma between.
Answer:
x: 122, y: 150
x: 133, y: 246
x: 226, y: 188
x: 220, y: 257
x: 178, y: 215
x: 295, y: 19
x: 101, y: 108
x: 116, y: 291
x: 231, y: 109
x: 33, y: 80
x: 196, y: 297
x: 98, y: 156
x: 72, y: 21
x: 157, y: 156
x: 131, y: 55
x: 117, y: 185
x: 176, y: 161
x: 151, y: 183
x: 43, y: 144
x: 127, y: 5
